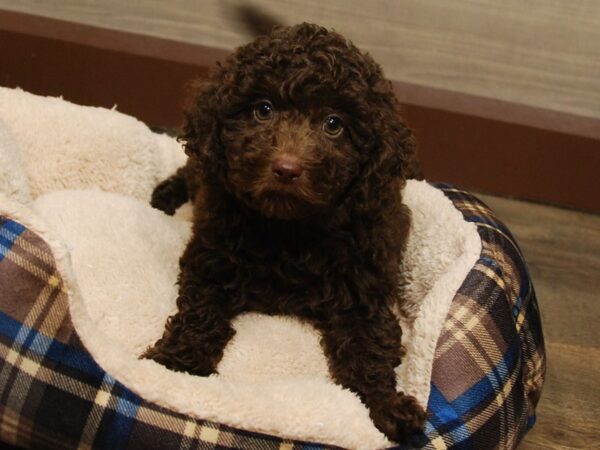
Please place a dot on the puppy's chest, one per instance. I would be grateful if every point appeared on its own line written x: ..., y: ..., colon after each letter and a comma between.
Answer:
x: 302, y: 278
x: 279, y: 274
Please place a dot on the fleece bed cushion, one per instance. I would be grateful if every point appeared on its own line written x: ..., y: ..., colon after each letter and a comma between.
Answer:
x: 87, y: 272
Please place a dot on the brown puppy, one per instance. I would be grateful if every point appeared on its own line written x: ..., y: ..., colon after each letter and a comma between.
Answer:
x: 297, y: 158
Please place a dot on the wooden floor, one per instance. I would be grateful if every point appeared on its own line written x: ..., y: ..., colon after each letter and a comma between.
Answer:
x: 562, y: 248
x: 541, y: 53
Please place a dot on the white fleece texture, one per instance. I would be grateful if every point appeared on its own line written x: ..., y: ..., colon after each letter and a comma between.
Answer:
x: 67, y: 146
x: 119, y: 259
x: 13, y: 182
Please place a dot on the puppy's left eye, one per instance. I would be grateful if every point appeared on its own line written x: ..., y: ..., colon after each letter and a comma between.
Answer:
x: 263, y: 111
x: 333, y: 126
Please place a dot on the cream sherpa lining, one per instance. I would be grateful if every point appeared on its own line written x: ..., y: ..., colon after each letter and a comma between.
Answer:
x: 119, y: 258
x: 67, y: 146
x: 13, y: 182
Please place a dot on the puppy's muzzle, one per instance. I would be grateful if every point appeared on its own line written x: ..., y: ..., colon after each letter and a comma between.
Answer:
x: 287, y: 168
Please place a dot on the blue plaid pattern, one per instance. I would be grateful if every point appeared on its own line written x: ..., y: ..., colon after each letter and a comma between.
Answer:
x: 9, y: 232
x: 487, y: 375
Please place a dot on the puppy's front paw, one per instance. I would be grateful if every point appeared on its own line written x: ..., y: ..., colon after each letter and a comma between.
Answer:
x: 399, y: 417
x: 169, y: 195
x: 179, y: 361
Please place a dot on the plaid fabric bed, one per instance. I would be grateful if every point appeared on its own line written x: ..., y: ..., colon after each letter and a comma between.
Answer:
x: 487, y: 375
x: 490, y: 361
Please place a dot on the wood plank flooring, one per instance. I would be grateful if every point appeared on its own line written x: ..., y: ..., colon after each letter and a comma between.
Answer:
x: 562, y: 248
x: 540, y: 53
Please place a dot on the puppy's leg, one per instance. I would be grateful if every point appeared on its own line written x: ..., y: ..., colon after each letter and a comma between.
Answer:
x: 193, y: 341
x: 171, y: 193
x: 362, y: 354
x: 195, y: 337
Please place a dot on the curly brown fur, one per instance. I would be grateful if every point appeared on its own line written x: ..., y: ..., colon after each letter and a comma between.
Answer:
x: 292, y: 219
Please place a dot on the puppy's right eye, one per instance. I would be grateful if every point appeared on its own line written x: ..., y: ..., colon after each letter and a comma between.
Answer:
x: 263, y: 111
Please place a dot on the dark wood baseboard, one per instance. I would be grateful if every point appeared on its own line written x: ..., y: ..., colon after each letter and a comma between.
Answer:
x: 508, y: 159
x: 481, y: 144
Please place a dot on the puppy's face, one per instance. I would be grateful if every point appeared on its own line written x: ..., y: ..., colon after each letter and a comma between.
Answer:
x: 299, y: 122
x: 289, y: 161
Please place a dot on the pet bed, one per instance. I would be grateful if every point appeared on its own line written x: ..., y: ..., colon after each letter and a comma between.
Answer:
x: 87, y: 278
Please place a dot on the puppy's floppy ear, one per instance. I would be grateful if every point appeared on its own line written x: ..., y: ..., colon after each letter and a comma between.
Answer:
x: 202, y: 117
x: 392, y: 150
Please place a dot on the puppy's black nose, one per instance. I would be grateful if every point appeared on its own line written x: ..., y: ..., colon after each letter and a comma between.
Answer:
x: 287, y: 168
